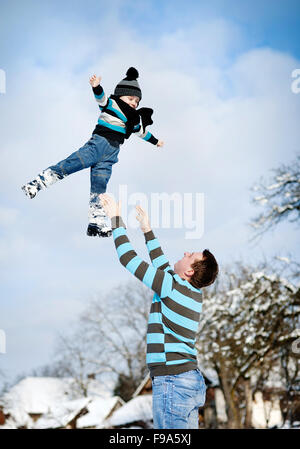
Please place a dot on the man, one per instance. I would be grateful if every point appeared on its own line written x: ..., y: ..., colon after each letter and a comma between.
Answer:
x: 177, y: 384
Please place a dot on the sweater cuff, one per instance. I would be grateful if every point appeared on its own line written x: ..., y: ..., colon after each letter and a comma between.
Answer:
x: 97, y: 90
x: 149, y: 236
x: 117, y: 222
x: 153, y: 140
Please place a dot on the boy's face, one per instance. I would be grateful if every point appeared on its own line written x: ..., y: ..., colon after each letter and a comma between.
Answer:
x: 132, y: 100
x: 184, y: 266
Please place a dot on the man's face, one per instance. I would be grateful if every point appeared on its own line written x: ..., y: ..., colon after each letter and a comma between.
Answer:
x: 133, y: 101
x: 184, y: 266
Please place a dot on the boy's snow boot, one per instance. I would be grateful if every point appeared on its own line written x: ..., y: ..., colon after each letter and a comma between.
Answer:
x: 98, y: 225
x: 93, y: 230
x: 45, y: 179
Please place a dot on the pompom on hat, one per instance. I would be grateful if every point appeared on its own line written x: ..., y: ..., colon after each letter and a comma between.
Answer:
x: 129, y: 85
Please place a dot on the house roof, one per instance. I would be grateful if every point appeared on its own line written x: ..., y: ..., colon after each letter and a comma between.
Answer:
x: 61, y: 414
x: 36, y: 394
x: 39, y: 395
x: 98, y: 410
x: 137, y: 409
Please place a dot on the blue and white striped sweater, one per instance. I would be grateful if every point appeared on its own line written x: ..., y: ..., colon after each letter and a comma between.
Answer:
x: 118, y: 120
x: 175, y: 309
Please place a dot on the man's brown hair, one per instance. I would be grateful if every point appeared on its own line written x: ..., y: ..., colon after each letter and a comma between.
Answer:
x: 205, y: 270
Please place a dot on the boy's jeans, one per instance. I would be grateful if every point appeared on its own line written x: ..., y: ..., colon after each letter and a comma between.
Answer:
x: 176, y: 399
x: 98, y: 154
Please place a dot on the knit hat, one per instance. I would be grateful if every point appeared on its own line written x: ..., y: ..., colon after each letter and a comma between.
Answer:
x: 129, y: 84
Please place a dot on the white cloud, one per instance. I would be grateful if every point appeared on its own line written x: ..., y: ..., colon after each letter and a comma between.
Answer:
x: 224, y: 124
x: 8, y: 216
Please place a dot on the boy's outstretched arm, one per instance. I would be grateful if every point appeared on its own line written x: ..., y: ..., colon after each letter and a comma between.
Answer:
x: 146, y: 135
x: 158, y: 280
x: 99, y: 93
x: 140, y: 129
x: 156, y: 254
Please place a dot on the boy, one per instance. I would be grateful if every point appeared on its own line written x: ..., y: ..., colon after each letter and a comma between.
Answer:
x: 178, y: 387
x: 119, y: 118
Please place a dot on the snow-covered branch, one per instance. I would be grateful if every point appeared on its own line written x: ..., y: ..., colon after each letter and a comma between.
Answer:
x: 280, y: 198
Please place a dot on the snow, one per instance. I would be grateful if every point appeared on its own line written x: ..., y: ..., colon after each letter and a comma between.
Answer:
x: 265, y: 413
x: 281, y: 209
x: 36, y: 394
x: 284, y: 259
x: 138, y: 409
x: 273, y: 186
x: 261, y: 199
x: 220, y: 406
x: 61, y: 414
x: 294, y: 334
x: 48, y: 396
x: 98, y: 410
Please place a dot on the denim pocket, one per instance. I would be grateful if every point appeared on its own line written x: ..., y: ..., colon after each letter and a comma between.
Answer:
x: 158, y: 388
x: 157, y: 381
x: 190, y: 382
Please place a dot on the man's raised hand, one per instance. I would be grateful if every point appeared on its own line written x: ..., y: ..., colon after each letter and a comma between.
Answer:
x: 95, y: 80
x: 111, y: 208
x: 143, y: 218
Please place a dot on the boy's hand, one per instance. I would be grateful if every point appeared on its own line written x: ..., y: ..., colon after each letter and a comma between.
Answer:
x: 95, y: 80
x: 143, y: 218
x: 160, y: 143
x: 111, y: 208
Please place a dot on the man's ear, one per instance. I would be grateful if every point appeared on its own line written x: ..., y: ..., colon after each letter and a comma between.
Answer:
x: 189, y: 273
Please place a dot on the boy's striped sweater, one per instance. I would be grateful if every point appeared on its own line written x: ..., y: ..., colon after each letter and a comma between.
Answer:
x: 175, y: 309
x: 117, y: 120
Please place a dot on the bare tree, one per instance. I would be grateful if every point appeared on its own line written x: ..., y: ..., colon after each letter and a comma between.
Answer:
x: 110, y: 338
x: 280, y: 198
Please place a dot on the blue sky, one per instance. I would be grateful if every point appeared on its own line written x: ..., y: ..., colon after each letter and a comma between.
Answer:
x: 217, y: 74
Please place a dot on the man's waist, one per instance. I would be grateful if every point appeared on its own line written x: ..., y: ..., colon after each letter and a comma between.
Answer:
x: 165, y: 370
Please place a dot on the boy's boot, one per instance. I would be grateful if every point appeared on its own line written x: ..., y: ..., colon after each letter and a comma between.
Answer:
x: 43, y: 180
x: 98, y: 225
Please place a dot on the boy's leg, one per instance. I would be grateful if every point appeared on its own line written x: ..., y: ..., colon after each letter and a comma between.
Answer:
x: 100, y: 175
x: 89, y: 154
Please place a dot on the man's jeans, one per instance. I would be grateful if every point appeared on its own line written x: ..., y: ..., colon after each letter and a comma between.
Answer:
x: 176, y: 399
x: 98, y: 154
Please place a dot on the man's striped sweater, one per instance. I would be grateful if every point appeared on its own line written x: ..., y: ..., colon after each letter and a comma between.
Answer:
x: 175, y: 309
x: 117, y: 120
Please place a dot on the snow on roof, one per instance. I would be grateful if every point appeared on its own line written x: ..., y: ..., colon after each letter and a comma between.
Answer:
x: 98, y: 410
x: 137, y: 409
x: 18, y: 419
x: 36, y: 394
x: 60, y: 415
x: 11, y: 424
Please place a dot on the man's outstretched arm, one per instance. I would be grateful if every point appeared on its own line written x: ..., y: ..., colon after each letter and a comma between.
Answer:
x: 156, y: 279
x: 156, y: 254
